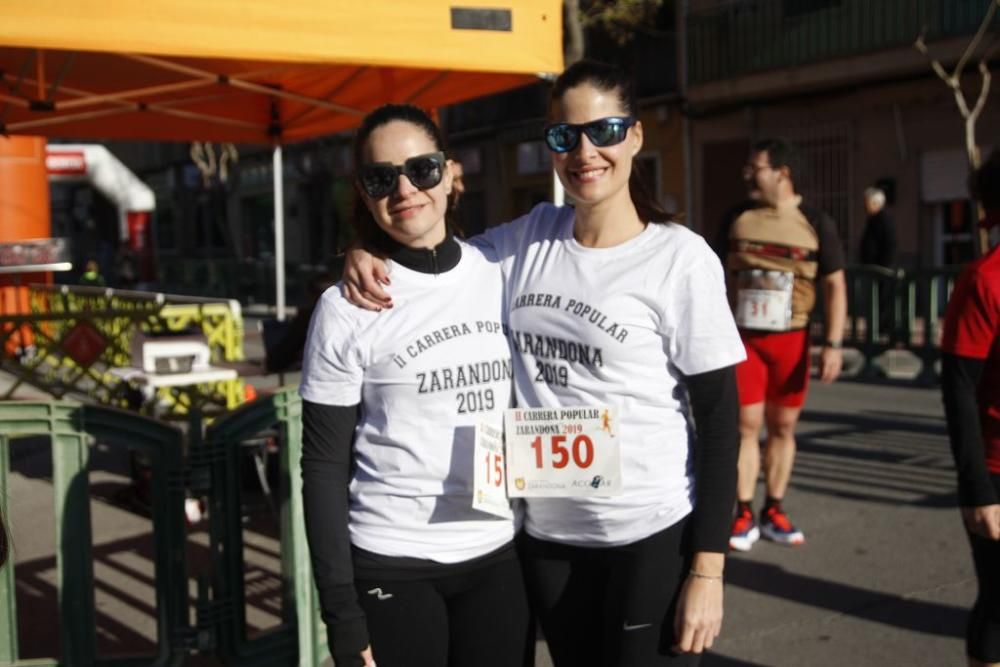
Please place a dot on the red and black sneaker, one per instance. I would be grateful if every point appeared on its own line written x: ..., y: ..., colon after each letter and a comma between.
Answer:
x: 745, y: 532
x: 777, y: 527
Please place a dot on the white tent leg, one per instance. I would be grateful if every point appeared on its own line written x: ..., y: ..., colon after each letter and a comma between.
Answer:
x: 279, y: 234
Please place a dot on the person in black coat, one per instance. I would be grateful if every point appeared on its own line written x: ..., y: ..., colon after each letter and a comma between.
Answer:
x: 878, y: 248
x: 878, y: 242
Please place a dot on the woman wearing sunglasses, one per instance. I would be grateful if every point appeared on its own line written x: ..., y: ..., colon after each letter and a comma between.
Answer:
x: 408, y: 573
x: 635, y: 579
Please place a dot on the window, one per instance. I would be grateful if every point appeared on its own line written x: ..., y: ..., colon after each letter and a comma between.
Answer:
x: 827, y: 172
x: 533, y: 158
x: 954, y: 232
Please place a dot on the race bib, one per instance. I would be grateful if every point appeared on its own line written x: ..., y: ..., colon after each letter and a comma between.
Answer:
x: 489, y: 486
x: 764, y: 300
x: 563, y: 452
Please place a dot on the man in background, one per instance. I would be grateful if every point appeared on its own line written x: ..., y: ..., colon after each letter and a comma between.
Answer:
x: 777, y: 252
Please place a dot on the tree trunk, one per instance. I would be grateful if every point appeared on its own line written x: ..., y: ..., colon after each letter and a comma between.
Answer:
x: 575, y: 39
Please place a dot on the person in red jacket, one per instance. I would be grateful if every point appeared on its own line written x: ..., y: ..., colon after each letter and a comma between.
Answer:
x: 970, y: 384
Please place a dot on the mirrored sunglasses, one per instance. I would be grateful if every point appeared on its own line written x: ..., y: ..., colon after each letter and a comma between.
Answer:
x: 379, y: 179
x: 564, y: 137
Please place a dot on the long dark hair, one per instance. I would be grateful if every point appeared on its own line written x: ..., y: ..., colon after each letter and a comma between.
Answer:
x: 371, y: 235
x: 610, y: 78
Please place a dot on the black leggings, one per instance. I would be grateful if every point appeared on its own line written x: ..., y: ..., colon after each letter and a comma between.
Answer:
x: 982, y: 640
x: 609, y: 606
x: 475, y: 618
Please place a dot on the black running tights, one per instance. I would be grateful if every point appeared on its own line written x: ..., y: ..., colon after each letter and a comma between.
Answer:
x: 471, y: 619
x: 609, y: 606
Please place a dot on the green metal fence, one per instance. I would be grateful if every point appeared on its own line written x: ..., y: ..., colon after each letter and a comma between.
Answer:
x: 301, y: 638
x: 742, y: 38
x: 71, y: 428
x: 211, y: 469
x: 895, y: 310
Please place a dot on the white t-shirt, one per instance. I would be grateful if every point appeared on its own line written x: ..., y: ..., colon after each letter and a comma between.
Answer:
x: 639, y: 316
x: 424, y: 372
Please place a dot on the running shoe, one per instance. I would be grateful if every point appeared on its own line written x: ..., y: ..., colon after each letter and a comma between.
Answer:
x: 745, y: 531
x: 777, y: 527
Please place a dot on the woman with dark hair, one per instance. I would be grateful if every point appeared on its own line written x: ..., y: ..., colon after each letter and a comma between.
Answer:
x: 609, y: 303
x: 409, y: 572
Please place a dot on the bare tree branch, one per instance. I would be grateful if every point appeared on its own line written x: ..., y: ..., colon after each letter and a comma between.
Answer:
x: 921, y: 46
x: 974, y: 44
x: 984, y: 92
x: 953, y: 81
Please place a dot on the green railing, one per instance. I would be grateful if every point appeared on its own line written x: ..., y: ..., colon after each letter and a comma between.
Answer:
x: 211, y: 469
x: 71, y: 428
x: 895, y: 310
x: 743, y: 38
x: 300, y: 639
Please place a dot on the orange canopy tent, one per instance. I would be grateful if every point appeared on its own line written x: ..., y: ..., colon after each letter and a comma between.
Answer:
x: 257, y: 71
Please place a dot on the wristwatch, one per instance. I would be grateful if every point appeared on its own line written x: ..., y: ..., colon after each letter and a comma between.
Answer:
x: 834, y: 344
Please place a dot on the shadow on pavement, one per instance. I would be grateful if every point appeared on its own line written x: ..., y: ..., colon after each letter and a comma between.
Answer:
x: 889, y: 609
x: 713, y: 660
x: 124, y: 589
x: 876, y: 456
x: 876, y: 420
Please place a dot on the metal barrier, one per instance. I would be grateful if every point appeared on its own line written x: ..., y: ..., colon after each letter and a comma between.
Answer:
x: 212, y: 469
x: 301, y: 638
x: 71, y: 428
x: 80, y: 333
x: 895, y: 310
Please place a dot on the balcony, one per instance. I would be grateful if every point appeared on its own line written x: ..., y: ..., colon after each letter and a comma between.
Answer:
x: 750, y: 36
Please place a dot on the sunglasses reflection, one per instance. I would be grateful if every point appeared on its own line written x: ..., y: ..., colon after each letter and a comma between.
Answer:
x: 380, y: 179
x: 603, y: 132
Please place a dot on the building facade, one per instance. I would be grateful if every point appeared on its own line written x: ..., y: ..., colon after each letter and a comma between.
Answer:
x: 841, y: 78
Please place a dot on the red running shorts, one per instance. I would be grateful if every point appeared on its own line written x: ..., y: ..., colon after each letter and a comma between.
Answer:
x: 776, y: 368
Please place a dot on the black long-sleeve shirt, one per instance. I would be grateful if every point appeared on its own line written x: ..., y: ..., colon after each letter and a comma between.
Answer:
x: 960, y: 378
x: 716, y: 411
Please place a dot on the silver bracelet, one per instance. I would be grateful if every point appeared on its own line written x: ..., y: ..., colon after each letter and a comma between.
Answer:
x: 701, y: 575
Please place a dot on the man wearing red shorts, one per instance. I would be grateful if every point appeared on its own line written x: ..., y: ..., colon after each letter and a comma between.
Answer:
x: 777, y: 251
x: 970, y: 383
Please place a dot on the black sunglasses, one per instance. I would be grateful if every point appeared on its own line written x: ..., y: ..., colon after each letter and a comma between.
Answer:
x: 379, y: 179
x: 564, y: 137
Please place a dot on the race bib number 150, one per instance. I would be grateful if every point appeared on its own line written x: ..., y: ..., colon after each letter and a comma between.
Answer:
x: 562, y: 452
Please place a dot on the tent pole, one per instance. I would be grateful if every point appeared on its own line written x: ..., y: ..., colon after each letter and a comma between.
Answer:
x: 558, y: 193
x: 279, y: 234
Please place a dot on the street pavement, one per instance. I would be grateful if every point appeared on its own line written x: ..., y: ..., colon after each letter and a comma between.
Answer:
x: 884, y: 577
